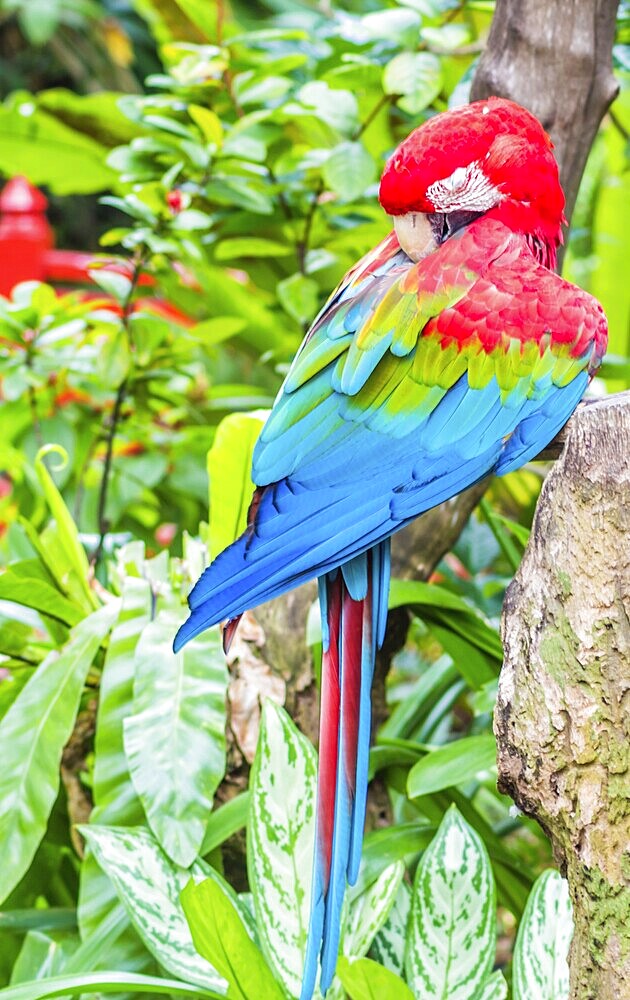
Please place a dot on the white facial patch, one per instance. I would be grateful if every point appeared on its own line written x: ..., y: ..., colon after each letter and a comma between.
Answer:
x: 466, y: 188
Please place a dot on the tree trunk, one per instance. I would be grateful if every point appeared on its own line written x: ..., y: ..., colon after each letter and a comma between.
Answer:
x: 554, y: 57
x: 561, y: 721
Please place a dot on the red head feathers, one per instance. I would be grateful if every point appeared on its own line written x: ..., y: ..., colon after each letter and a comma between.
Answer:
x: 491, y: 156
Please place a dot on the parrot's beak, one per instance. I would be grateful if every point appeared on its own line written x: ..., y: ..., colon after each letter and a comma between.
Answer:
x: 415, y: 234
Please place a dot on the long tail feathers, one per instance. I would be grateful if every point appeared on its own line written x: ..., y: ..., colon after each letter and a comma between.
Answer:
x: 354, y: 612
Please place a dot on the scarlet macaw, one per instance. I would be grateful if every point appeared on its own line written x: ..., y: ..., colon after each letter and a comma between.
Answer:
x: 450, y: 351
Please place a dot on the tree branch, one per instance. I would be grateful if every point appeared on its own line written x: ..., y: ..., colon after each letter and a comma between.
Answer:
x: 561, y: 719
x: 555, y: 59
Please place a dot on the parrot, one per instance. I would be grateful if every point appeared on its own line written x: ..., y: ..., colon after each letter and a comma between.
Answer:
x: 451, y: 351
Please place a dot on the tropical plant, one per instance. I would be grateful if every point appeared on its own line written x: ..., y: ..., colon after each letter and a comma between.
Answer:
x: 239, y: 188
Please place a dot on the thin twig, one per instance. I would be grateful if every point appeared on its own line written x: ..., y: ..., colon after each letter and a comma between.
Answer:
x: 381, y: 103
x: 121, y: 392
x: 302, y: 245
x: 103, y: 523
x: 621, y: 128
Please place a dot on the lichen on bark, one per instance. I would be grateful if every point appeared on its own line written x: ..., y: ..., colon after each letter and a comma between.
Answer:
x: 562, y: 721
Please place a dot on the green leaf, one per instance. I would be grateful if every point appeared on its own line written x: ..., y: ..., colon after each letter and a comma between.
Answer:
x: 33, y: 734
x: 71, y: 558
x: 46, y: 151
x: 221, y: 937
x: 299, y: 297
x: 95, y: 115
x: 149, y: 887
x: 363, y: 979
x: 280, y: 841
x: 416, y: 77
x: 115, y: 799
x: 452, y: 764
x: 214, y: 331
x: 202, y: 16
x: 38, y: 20
x: 452, y: 936
x: 541, y: 970
x: 175, y: 740
x: 388, y: 947
x: 116, y: 285
x: 100, y: 982
x: 369, y: 909
x: 225, y: 821
x: 32, y: 592
x: 208, y: 121
x: 495, y: 988
x: 251, y: 246
x: 348, y: 170
x: 229, y: 472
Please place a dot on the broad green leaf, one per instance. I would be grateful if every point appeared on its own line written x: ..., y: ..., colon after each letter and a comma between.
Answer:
x: 494, y: 988
x: 251, y: 246
x: 229, y: 472
x: 208, y: 121
x: 53, y: 918
x: 41, y: 955
x: 214, y: 331
x: 348, y: 170
x: 452, y: 764
x: 38, y: 20
x: 149, y: 887
x: 452, y: 934
x: 415, y: 77
x: 388, y: 947
x: 364, y: 979
x: 368, y: 910
x: 95, y: 115
x: 541, y: 970
x: 221, y: 937
x: 175, y: 740
x: 401, y: 842
x: 115, y: 799
x: 439, y: 607
x: 225, y: 821
x: 338, y: 108
x: 298, y: 296
x: 202, y: 15
x: 34, y: 593
x: 280, y: 841
x: 115, y: 284
x: 48, y: 152
x: 75, y: 562
x: 101, y: 982
x: 33, y: 734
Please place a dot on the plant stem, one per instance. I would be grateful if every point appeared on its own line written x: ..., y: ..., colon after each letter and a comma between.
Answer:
x: 302, y: 245
x: 381, y: 103
x: 121, y: 392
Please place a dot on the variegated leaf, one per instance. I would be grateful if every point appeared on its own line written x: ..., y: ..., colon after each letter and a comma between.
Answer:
x: 115, y: 801
x: 369, y: 910
x: 280, y: 841
x: 494, y: 988
x: 175, y: 741
x: 388, y: 947
x: 541, y: 970
x: 452, y: 934
x: 149, y: 886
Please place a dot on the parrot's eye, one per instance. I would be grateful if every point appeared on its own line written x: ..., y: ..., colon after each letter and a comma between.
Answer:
x: 444, y: 224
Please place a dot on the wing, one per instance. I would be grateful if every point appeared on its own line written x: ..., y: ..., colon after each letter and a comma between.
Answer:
x: 415, y: 381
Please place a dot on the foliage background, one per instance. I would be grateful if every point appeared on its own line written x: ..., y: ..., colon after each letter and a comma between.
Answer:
x: 224, y: 162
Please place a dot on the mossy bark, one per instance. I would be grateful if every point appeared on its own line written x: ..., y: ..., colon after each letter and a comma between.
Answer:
x: 562, y: 721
